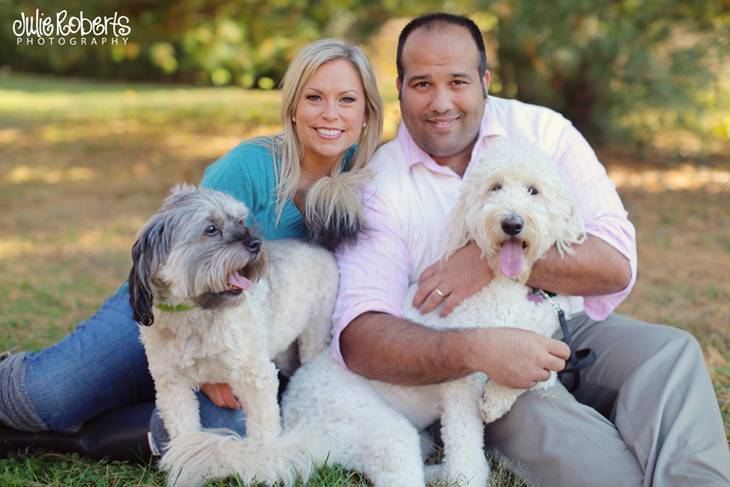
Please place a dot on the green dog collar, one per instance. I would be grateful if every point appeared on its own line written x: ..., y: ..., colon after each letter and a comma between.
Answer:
x: 174, y: 309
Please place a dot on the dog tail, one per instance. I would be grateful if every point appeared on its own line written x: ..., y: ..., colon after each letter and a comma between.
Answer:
x: 194, y: 457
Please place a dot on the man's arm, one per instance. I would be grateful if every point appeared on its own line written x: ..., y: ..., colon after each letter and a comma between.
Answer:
x: 382, y: 347
x: 596, y: 268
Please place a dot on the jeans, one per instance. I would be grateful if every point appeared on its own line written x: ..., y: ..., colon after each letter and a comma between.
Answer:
x: 99, y: 367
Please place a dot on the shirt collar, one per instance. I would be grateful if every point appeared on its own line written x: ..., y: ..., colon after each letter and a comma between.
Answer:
x: 489, y: 127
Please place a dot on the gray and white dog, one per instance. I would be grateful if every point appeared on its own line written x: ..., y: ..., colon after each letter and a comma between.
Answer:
x: 218, y: 305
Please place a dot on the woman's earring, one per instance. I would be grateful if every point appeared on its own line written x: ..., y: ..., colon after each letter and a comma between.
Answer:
x: 294, y: 120
x: 364, y: 124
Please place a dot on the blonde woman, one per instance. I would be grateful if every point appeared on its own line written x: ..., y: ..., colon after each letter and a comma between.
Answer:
x: 92, y: 393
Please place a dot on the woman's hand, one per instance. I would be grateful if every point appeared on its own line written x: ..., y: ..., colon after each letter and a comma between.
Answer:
x: 452, y: 281
x: 221, y: 395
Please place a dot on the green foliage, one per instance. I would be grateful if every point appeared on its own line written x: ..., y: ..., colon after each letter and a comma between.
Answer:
x: 626, y: 68
x: 247, y: 43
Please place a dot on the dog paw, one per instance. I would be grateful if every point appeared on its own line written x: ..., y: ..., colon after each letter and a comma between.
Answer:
x: 492, y: 412
x: 489, y: 417
x: 434, y: 473
x: 546, y: 383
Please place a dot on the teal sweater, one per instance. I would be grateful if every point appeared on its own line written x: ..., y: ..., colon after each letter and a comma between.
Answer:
x: 247, y: 173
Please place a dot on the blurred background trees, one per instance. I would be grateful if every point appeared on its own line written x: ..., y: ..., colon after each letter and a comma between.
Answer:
x: 620, y: 70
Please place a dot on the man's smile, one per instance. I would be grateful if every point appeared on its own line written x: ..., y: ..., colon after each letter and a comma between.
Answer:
x: 443, y: 123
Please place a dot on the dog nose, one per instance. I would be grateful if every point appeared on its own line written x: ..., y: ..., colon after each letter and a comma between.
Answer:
x: 252, y: 244
x: 512, y: 225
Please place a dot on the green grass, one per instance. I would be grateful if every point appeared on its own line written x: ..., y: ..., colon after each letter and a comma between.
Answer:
x: 57, y: 470
x: 83, y: 164
x: 73, y: 471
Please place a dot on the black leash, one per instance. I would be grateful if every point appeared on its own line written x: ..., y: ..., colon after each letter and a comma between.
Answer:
x: 579, y: 359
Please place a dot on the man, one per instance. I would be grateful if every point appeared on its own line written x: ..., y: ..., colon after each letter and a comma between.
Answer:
x: 645, y: 412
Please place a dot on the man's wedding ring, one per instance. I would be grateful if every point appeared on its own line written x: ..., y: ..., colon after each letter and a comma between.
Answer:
x: 440, y: 293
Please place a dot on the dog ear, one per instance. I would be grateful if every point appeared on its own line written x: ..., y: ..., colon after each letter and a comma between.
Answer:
x: 148, y: 252
x: 569, y: 225
x: 140, y: 295
x: 458, y: 235
x: 333, y: 209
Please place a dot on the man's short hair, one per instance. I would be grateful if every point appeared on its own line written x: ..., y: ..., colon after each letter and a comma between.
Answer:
x: 430, y: 20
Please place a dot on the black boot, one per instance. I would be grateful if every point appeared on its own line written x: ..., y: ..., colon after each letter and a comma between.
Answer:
x: 120, y: 434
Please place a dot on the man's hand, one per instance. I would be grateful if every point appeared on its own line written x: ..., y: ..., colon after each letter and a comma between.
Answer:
x: 221, y: 395
x: 452, y: 281
x: 519, y: 358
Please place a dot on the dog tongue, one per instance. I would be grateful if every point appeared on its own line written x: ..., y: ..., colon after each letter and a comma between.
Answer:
x: 239, y: 281
x: 510, y: 258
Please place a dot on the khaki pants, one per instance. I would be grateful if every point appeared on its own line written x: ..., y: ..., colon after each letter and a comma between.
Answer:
x: 645, y: 414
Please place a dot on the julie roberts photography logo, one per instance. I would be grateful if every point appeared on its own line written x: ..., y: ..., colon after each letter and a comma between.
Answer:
x: 67, y: 29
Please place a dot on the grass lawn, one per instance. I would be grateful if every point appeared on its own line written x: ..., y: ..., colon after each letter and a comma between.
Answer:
x: 83, y: 164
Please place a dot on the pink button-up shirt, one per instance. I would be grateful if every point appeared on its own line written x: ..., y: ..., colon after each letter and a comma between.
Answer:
x: 408, y: 202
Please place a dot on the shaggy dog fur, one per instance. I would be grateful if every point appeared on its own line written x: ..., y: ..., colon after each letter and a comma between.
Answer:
x: 223, y: 306
x: 514, y: 206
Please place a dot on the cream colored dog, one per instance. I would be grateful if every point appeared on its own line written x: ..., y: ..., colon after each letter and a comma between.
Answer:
x: 515, y: 207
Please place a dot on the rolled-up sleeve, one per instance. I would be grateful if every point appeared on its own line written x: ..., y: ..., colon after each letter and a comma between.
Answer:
x: 602, y: 211
x: 373, y: 272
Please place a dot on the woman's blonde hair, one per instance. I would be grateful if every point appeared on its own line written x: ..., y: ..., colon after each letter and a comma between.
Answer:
x: 333, y: 210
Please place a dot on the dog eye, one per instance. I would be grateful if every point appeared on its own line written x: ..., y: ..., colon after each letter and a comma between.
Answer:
x: 495, y: 187
x: 532, y: 190
x: 211, y: 230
